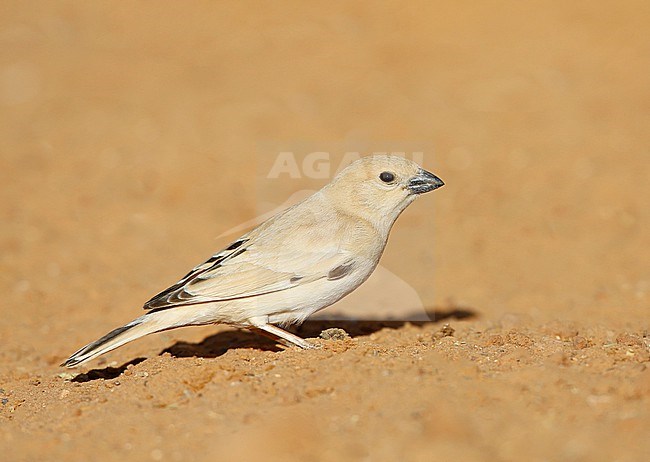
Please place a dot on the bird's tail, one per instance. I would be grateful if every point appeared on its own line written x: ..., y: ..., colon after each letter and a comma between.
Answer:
x: 151, y: 322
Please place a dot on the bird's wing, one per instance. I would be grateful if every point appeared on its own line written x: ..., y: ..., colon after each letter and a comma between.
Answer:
x: 242, y: 271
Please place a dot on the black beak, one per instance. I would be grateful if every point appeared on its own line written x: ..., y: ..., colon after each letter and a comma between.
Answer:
x: 424, y: 182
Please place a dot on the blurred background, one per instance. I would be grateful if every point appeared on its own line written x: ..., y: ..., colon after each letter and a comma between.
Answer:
x: 134, y: 134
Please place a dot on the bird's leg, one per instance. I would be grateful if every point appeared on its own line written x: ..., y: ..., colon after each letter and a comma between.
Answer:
x: 286, y: 338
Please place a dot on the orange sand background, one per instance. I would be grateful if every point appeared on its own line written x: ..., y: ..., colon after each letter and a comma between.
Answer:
x: 134, y: 133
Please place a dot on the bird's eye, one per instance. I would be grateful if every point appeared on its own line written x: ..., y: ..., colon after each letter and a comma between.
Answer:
x: 387, y: 177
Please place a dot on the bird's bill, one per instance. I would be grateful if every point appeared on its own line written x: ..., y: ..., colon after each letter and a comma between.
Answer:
x: 424, y: 182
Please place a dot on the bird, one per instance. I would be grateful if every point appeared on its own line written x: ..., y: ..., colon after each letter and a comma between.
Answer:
x: 297, y: 262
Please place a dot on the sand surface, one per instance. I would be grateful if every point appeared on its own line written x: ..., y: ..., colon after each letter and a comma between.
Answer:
x: 133, y: 135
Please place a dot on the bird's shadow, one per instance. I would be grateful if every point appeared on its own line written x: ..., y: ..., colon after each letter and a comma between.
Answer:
x: 217, y: 344
x: 106, y: 373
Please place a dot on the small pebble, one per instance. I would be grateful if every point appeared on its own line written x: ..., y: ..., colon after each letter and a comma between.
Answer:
x: 629, y: 339
x: 334, y: 334
x: 495, y: 340
x: 580, y: 343
x: 445, y: 331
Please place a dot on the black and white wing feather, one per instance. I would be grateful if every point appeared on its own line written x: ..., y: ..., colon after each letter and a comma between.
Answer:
x: 241, y: 271
x: 174, y: 295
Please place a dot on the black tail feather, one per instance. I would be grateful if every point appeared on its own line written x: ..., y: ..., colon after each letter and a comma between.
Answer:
x: 78, y: 356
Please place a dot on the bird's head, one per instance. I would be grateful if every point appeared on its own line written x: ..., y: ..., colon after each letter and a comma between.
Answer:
x: 379, y: 188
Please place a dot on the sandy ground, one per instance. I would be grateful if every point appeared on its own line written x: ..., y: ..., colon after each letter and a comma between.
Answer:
x: 133, y: 135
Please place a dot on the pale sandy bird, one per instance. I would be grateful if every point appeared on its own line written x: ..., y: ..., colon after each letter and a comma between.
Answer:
x: 296, y: 263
